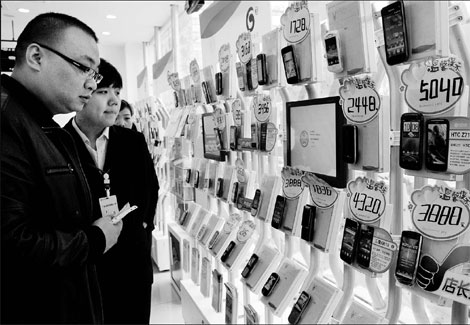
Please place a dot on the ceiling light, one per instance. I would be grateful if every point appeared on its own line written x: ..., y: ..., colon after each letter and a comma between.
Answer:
x: 106, y: 33
x: 23, y: 10
x: 111, y: 17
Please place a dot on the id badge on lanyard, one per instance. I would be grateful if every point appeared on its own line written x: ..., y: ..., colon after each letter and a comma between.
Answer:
x: 108, y: 204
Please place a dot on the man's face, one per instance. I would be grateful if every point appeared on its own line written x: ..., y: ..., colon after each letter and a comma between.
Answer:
x: 102, y: 108
x: 69, y: 88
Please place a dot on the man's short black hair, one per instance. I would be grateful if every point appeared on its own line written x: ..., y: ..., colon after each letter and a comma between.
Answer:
x: 111, y: 76
x: 47, y: 29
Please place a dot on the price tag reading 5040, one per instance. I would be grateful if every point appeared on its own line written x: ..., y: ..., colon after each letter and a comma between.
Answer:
x: 367, y: 199
x: 244, y: 48
x: 360, y: 101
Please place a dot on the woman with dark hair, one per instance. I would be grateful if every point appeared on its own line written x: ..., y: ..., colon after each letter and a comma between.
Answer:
x: 125, y: 115
x: 117, y: 164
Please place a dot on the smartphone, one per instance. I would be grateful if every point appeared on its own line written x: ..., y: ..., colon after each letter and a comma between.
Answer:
x: 437, y: 144
x: 299, y: 308
x: 184, y: 217
x: 249, y: 79
x: 333, y: 51
x: 263, y: 135
x: 235, y: 193
x: 290, y: 64
x: 255, y: 203
x: 308, y: 222
x: 408, y: 254
x: 350, y: 143
x: 366, y: 234
x: 220, y: 187
x: 205, y: 92
x: 227, y: 252
x: 395, y: 33
x: 196, y: 179
x: 262, y: 69
x: 270, y: 284
x: 348, y: 244
x: 233, y: 137
x: 213, y: 240
x: 251, y: 316
x: 218, y: 83
x: 188, y: 175
x: 411, y: 141
x: 231, y: 303
x: 217, y: 288
x: 250, y: 266
x: 240, y: 76
x: 278, y: 214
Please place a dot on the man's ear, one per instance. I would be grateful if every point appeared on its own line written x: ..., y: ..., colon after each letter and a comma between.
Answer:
x: 34, y: 57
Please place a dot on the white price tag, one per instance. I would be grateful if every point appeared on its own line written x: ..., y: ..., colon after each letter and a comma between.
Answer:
x: 271, y: 137
x: 262, y: 107
x: 219, y: 118
x: 240, y: 168
x: 246, y: 231
x: 244, y: 48
x: 433, y: 86
x: 174, y: 81
x: 194, y: 71
x: 367, y: 199
x: 296, y: 22
x: 440, y: 213
x: 233, y: 220
x: 224, y: 57
x: 292, y: 185
x: 382, y: 251
x: 322, y: 194
x: 237, y: 112
x: 359, y: 100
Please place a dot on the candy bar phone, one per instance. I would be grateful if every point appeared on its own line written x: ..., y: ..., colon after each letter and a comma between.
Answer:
x: 188, y: 175
x: 250, y: 266
x: 333, y: 52
x: 308, y: 222
x: 227, y: 252
x: 249, y: 79
x: 262, y: 69
x: 213, y: 240
x: 217, y: 288
x: 231, y: 304
x: 366, y: 234
x: 196, y: 179
x: 278, y: 214
x: 437, y: 144
x: 411, y: 141
x: 220, y: 187
x: 233, y: 138
x: 218, y: 83
x: 240, y: 76
x: 270, y: 284
x: 235, y: 193
x: 251, y: 316
x: 408, y: 254
x: 350, y: 143
x: 255, y: 203
x: 299, y: 308
x: 290, y: 64
x: 349, y: 242
x: 395, y: 33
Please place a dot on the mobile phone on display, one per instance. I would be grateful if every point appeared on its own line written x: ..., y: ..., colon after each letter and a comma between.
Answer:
x: 250, y: 266
x: 220, y: 187
x: 411, y: 141
x: 408, y: 255
x: 333, y: 51
x: 308, y: 222
x: 262, y: 69
x: 251, y: 316
x: 395, y: 33
x: 240, y: 76
x: 290, y: 64
x: 235, y: 193
x: 188, y: 175
x: 196, y: 179
x: 437, y: 144
x: 228, y: 251
x: 255, y: 203
x: 299, y: 308
x: 263, y: 128
x: 217, y: 288
x: 270, y: 284
x: 254, y: 73
x: 231, y: 303
x: 249, y: 79
x: 213, y: 240
x: 184, y: 217
x: 218, y: 83
x: 278, y: 214
x: 364, y: 250
x: 350, y: 143
x: 349, y: 242
x: 233, y: 137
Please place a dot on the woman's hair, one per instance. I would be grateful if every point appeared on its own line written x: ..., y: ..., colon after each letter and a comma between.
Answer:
x: 111, y: 76
x: 125, y: 104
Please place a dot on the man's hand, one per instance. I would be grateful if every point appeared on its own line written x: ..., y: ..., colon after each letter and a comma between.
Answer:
x: 111, y: 231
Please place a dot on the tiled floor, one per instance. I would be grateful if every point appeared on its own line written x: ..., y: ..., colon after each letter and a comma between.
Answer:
x: 166, y: 305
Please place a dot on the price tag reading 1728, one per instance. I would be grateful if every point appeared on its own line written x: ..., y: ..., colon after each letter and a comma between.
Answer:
x: 360, y: 101
x: 296, y: 23
x: 440, y: 213
x: 244, y: 48
x: 367, y: 199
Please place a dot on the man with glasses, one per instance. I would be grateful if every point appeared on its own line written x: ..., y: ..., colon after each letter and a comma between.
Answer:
x: 49, y: 241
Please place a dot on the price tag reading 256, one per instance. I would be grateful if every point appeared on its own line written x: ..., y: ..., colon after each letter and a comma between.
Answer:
x: 359, y: 99
x: 244, y: 48
x: 367, y: 199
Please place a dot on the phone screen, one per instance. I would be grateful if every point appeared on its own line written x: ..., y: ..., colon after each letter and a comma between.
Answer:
x: 394, y: 32
x: 410, y: 143
x: 349, y: 241
x: 331, y: 51
x: 269, y: 285
x: 289, y: 64
x: 365, y: 245
x: 350, y: 143
x: 228, y: 306
x: 278, y: 212
x: 436, y: 144
x: 408, y: 255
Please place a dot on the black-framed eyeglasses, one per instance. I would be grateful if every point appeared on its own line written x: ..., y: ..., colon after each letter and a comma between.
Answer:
x: 91, y: 73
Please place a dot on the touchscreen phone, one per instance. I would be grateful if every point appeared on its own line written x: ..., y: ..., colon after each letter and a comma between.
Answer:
x: 364, y: 250
x: 349, y: 242
x: 308, y: 222
x: 408, y: 254
x: 299, y: 307
x: 270, y: 284
x: 290, y: 64
x: 411, y: 141
x: 333, y: 51
x: 262, y: 69
x: 278, y: 214
x: 350, y: 143
x: 395, y: 33
x: 250, y: 266
x: 437, y: 144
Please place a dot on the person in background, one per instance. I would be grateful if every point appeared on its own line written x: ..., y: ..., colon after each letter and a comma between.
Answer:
x: 125, y: 115
x: 117, y: 162
x: 49, y: 241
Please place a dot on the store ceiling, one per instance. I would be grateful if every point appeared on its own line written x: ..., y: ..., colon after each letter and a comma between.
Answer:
x: 135, y: 20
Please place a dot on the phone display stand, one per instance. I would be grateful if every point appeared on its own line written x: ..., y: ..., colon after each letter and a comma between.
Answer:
x: 226, y: 235
x: 324, y: 298
x: 292, y: 275
x: 198, y: 222
x: 195, y: 265
x: 293, y: 214
x: 213, y: 224
x: 268, y: 260
x: 271, y: 47
x: 228, y: 180
x: 205, y: 276
x: 356, y: 30
x: 193, y: 211
x: 208, y: 76
x: 270, y: 188
x: 210, y: 182
x: 186, y: 255
x: 242, y: 248
x: 358, y: 313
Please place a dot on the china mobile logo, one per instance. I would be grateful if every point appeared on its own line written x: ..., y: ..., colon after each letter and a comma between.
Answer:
x: 250, y: 19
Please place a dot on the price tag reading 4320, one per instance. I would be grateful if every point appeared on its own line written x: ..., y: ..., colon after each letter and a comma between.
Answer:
x: 359, y: 100
x: 433, y: 86
x: 440, y: 213
x: 367, y: 199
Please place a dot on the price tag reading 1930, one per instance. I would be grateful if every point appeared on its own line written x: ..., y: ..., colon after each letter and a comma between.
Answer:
x: 440, y: 213
x: 433, y: 86
x: 244, y: 49
x: 367, y: 199
x: 359, y: 100
x: 296, y: 22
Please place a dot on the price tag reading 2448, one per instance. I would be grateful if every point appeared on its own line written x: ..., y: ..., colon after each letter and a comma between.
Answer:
x: 244, y: 47
x: 360, y: 100
x: 367, y: 199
